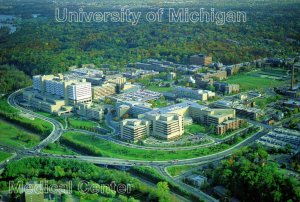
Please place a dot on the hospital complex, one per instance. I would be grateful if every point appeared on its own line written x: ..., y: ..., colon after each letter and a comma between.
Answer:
x: 80, y: 91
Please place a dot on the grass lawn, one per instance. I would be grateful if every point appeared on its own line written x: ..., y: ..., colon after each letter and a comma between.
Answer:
x: 58, y: 118
x: 248, y: 81
x: 4, y: 155
x: 273, y: 72
x: 75, y: 122
x: 195, y: 128
x: 159, y: 103
x: 17, y: 137
x: 54, y: 148
x: 178, y: 170
x: 99, y: 147
x: 263, y: 102
x: 13, y: 115
x: 160, y: 89
x: 103, y: 125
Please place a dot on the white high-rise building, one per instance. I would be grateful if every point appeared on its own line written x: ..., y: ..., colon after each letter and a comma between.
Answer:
x: 36, y: 80
x: 39, y: 80
x: 80, y: 92
x: 55, y: 87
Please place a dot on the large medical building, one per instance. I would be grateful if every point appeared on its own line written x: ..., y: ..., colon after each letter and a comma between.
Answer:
x: 168, y: 123
x: 71, y: 92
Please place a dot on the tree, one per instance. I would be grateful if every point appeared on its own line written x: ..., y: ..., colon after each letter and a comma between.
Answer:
x: 125, y: 116
x: 108, y: 101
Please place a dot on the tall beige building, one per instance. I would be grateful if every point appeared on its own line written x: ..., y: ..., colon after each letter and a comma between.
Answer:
x: 168, y: 123
x: 200, y: 59
x: 168, y: 126
x: 134, y: 129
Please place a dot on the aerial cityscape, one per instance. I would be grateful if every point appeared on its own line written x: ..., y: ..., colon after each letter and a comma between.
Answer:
x: 167, y: 101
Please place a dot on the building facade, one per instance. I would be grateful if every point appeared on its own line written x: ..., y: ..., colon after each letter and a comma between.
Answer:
x: 79, y: 92
x: 99, y: 92
x: 134, y: 130
x: 202, y: 95
x: 226, y: 88
x: 200, y: 59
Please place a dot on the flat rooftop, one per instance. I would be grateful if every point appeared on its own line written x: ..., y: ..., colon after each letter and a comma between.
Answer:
x: 172, y: 108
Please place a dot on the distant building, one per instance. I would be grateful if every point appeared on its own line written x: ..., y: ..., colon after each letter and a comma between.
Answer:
x: 130, y: 88
x: 115, y: 79
x: 122, y: 110
x: 138, y: 73
x: 203, y: 83
x: 278, y: 115
x: 229, y: 124
x: 216, y: 66
x: 133, y: 108
x: 192, y: 80
x: 220, y: 74
x: 155, y: 65
x: 171, y: 76
x: 226, y: 88
x: 134, y: 129
x: 73, y: 91
x: 221, y: 191
x: 292, y: 103
x: 273, y: 62
x: 167, y: 126
x: 200, y: 59
x: 79, y: 92
x: 250, y: 113
x: 100, y: 92
x: 241, y: 111
x: 196, y: 180
x: 187, y: 113
x: 202, y: 95
x: 90, y: 111
x: 45, y: 103
x: 232, y: 69
x: 65, y: 87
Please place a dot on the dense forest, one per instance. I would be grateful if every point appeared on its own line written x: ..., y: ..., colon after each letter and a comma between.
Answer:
x: 251, y: 177
x: 42, y: 45
x: 59, y: 171
x: 12, y: 79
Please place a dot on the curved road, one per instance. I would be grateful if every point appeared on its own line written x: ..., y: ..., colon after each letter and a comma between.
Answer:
x: 57, y: 126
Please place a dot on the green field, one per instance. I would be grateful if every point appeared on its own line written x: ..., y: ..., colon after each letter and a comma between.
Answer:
x: 103, y: 125
x: 55, y: 148
x: 58, y: 118
x: 178, y: 170
x: 195, y: 128
x: 159, y: 89
x: 17, y: 137
x: 75, y: 122
x: 159, y: 103
x: 98, y: 147
x: 4, y: 155
x: 249, y: 81
x: 14, y: 116
x: 263, y: 102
